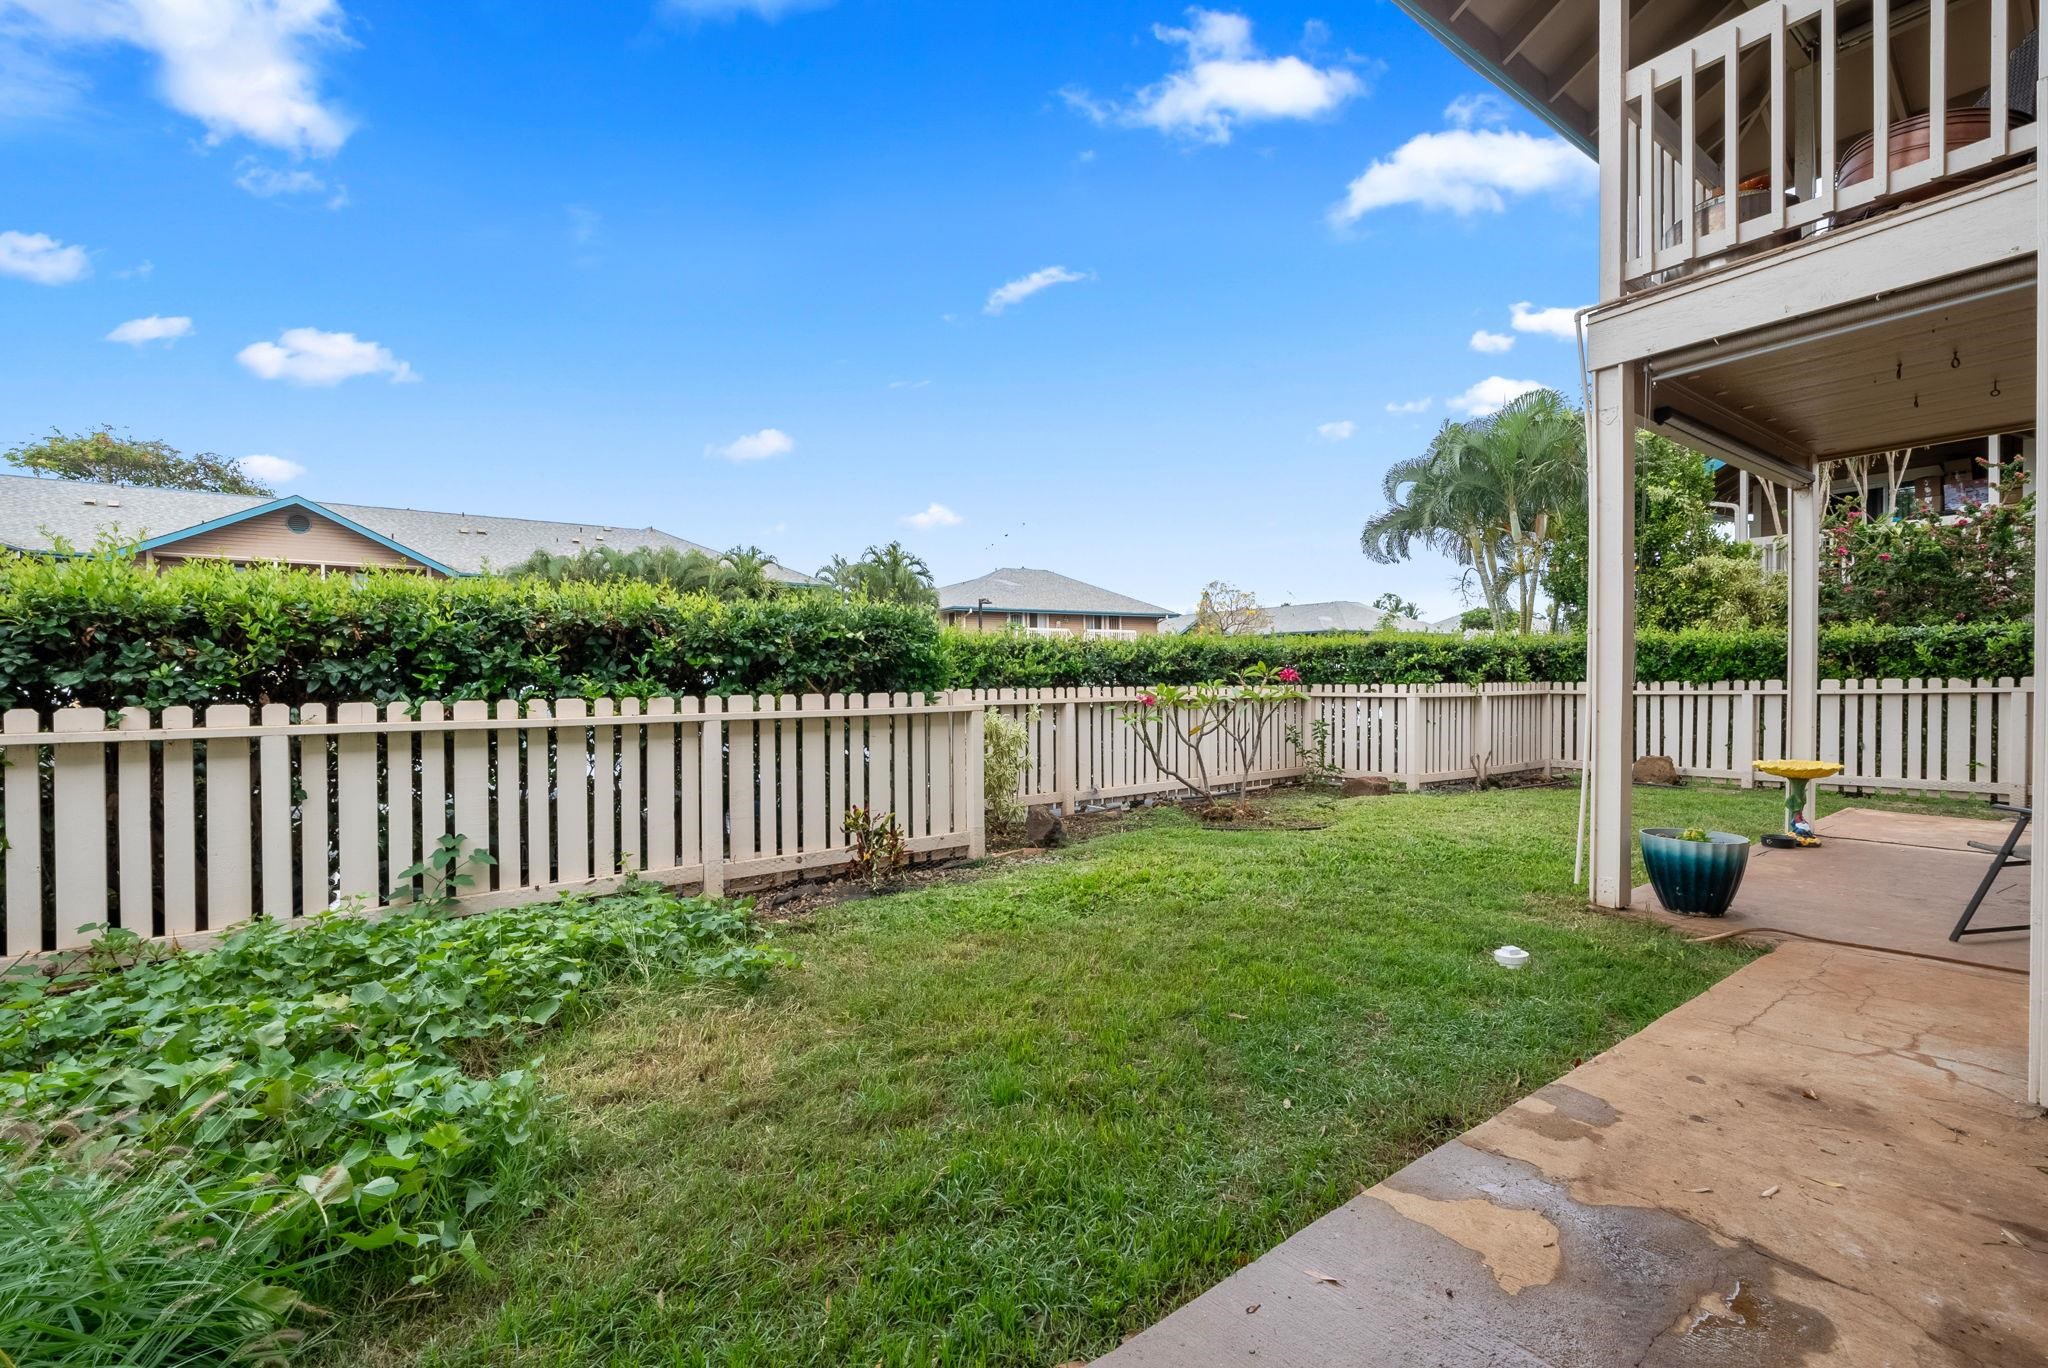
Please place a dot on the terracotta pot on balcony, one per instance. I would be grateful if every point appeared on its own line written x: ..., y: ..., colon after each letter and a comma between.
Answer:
x: 1907, y: 140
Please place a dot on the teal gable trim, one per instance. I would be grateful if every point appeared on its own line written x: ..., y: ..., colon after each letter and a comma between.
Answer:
x: 307, y: 506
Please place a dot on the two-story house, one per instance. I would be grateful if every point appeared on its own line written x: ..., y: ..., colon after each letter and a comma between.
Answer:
x: 1819, y: 228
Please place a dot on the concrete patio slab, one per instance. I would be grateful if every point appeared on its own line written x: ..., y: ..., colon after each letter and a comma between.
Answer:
x: 1911, y: 828
x: 1889, y: 881
x: 1820, y: 1160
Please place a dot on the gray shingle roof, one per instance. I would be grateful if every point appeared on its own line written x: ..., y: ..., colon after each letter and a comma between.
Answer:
x: 1023, y: 590
x: 35, y: 513
x: 1337, y: 615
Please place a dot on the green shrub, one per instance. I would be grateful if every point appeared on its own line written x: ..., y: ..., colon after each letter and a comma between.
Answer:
x: 104, y: 631
x: 1699, y: 655
x: 302, y: 1094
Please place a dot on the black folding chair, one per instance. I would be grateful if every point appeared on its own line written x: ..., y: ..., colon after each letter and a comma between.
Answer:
x: 2008, y: 853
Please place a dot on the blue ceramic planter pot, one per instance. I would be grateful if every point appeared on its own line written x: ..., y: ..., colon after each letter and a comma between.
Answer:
x: 1695, y: 878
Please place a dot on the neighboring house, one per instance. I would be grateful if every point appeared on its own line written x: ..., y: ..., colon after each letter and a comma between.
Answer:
x: 1298, y: 619
x: 1047, y: 604
x: 168, y: 525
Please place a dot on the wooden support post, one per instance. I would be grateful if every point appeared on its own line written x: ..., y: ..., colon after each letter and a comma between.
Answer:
x: 1611, y: 662
x: 2037, y: 895
x: 1614, y: 60
x: 1802, y: 644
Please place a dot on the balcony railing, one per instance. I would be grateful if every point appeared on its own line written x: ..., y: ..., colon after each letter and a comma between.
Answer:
x: 1757, y: 131
x: 1110, y: 634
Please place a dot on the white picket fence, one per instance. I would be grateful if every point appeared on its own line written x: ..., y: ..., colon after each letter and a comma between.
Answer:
x: 173, y: 825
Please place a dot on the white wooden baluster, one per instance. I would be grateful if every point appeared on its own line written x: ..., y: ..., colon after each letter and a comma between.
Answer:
x: 661, y: 785
x: 604, y: 792
x: 137, y: 831
x: 509, y: 789
x: 632, y: 792
x: 79, y: 814
x: 401, y: 793
x: 355, y: 778
x: 711, y: 796
x: 540, y: 787
x: 315, y: 890
x: 572, y: 791
x: 21, y: 780
x: 228, y: 896
x: 689, y: 783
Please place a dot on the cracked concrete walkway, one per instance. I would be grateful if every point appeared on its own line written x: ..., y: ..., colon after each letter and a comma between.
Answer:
x: 1822, y: 1159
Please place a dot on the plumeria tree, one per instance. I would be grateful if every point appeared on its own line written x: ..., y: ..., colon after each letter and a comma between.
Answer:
x: 1174, y: 722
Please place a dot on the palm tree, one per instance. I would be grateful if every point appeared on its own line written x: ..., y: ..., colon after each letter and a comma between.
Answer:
x: 743, y: 574
x: 894, y: 575
x: 1487, y: 493
x: 886, y: 574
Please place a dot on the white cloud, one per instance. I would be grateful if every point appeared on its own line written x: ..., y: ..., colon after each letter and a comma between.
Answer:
x: 1409, y: 407
x: 143, y: 271
x: 755, y: 446
x: 1560, y: 322
x: 1482, y: 107
x: 269, y: 182
x: 1023, y: 287
x: 1224, y: 80
x: 41, y: 258
x: 936, y: 515
x: 243, y: 68
x: 1468, y: 171
x: 770, y: 10
x: 155, y: 328
x: 1484, y: 341
x: 1338, y: 431
x: 908, y: 384
x: 308, y: 356
x: 272, y: 470
x: 1490, y: 395
x: 584, y: 224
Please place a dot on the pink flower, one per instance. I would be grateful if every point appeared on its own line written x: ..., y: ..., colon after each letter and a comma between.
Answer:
x: 1289, y: 675
x: 1884, y: 555
x: 1148, y: 700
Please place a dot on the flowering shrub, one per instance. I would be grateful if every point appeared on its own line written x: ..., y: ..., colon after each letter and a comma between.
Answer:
x: 1925, y: 571
x: 1172, y: 722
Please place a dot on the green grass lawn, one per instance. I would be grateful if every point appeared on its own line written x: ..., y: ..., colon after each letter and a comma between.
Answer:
x: 1015, y: 1119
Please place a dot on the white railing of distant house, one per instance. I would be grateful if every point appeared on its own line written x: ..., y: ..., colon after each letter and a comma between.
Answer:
x: 1683, y: 205
x: 175, y: 824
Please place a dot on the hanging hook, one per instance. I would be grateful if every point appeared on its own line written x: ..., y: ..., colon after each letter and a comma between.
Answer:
x: 1899, y: 369
x: 1994, y: 387
x: 1955, y: 360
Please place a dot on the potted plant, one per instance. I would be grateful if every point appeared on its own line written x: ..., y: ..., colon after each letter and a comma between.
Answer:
x: 1695, y: 872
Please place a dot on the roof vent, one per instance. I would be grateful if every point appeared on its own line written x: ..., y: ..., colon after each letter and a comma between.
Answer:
x: 113, y: 503
x: 90, y: 502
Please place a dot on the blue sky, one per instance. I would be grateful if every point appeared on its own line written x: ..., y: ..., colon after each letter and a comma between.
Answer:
x: 737, y: 268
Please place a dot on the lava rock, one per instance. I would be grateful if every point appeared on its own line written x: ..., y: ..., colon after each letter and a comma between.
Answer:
x: 1043, y: 827
x: 1655, y: 769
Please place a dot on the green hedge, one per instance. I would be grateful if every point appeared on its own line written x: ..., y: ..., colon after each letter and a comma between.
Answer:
x: 106, y: 632
x: 109, y: 633
x: 1698, y: 656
